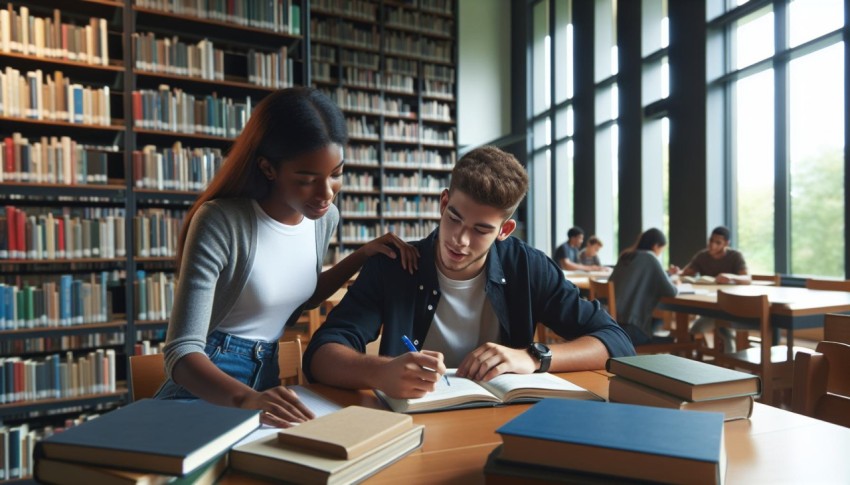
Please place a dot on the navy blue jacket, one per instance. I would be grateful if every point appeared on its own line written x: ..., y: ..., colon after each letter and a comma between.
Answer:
x: 523, y: 285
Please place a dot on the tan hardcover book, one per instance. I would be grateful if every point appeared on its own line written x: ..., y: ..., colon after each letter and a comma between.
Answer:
x: 269, y: 458
x: 348, y: 433
x: 71, y: 473
x: 687, y: 379
x: 630, y: 392
x: 462, y: 393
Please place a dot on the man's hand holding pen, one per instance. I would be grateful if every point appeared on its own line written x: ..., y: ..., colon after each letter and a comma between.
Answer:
x: 411, y: 375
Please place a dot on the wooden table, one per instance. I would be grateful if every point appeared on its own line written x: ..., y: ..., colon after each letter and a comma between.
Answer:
x: 582, y: 278
x: 790, y: 308
x: 773, y: 446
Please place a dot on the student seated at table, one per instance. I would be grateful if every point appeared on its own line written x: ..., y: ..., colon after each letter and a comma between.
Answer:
x: 727, y: 266
x: 639, y: 282
x: 718, y: 260
x: 589, y: 256
x: 473, y: 304
x: 567, y: 254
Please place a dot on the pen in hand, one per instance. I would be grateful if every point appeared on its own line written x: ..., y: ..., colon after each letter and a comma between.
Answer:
x: 412, y: 348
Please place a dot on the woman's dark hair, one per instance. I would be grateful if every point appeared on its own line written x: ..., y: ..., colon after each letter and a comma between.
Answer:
x: 285, y: 124
x: 645, y: 242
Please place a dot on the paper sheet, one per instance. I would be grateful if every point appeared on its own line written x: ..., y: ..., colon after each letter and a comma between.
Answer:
x: 317, y: 403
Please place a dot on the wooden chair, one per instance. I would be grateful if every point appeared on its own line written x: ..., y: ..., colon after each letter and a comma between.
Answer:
x: 836, y: 328
x: 773, y: 363
x: 832, y: 285
x: 289, y: 360
x: 822, y: 383
x: 604, y: 289
x: 776, y: 279
x: 147, y: 373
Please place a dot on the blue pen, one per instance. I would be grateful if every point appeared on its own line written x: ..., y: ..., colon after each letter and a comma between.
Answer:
x: 412, y: 348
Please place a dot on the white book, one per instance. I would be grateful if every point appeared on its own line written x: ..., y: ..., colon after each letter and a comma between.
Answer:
x: 24, y: 15
x: 104, y: 43
x: 5, y: 31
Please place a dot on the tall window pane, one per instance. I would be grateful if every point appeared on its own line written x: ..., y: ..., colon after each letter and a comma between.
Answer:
x: 754, y: 172
x: 540, y: 58
x: 753, y: 38
x: 810, y: 19
x: 817, y: 165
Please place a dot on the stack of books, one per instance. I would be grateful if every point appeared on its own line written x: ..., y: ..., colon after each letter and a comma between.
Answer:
x: 669, y: 381
x: 345, y: 446
x: 146, y: 442
x: 570, y: 441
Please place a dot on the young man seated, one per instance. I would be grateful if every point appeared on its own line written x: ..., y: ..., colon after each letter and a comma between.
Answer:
x: 473, y: 303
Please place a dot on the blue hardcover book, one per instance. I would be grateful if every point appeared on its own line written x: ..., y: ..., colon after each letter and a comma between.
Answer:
x: 2, y: 306
x: 78, y: 103
x: 619, y: 440
x: 164, y: 436
x: 65, y: 299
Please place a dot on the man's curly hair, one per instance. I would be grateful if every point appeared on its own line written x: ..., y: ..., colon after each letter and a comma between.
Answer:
x: 491, y: 177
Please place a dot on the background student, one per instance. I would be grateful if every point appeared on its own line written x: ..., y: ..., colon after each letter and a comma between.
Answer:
x: 473, y: 304
x: 589, y: 256
x: 567, y: 254
x: 639, y: 282
x: 250, y: 256
x: 718, y: 260
x: 727, y: 266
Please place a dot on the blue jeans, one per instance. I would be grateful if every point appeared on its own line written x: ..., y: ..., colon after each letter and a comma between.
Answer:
x: 251, y: 362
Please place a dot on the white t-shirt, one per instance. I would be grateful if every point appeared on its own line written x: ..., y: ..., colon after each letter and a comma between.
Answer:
x: 464, y: 319
x: 283, y: 277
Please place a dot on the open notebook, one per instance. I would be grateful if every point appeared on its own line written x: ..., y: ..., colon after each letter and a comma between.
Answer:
x: 504, y: 389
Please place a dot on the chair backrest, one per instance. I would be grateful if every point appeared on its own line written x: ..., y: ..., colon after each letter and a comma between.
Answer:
x: 147, y: 373
x: 775, y: 278
x: 289, y: 361
x: 836, y: 328
x: 834, y: 285
x: 604, y: 290
x: 745, y: 306
x: 822, y: 384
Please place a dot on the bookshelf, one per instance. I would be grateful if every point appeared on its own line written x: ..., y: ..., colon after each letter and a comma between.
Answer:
x: 106, y: 151
x: 113, y: 116
x: 390, y: 66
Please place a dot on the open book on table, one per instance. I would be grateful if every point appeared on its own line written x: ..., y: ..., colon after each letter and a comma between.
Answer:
x: 504, y: 389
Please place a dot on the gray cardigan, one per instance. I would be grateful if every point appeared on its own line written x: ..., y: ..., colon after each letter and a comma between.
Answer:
x: 639, y: 282
x: 217, y: 257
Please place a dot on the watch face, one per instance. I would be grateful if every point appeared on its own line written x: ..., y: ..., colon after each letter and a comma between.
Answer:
x: 540, y: 349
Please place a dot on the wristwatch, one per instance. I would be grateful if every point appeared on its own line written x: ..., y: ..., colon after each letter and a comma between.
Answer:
x: 542, y: 353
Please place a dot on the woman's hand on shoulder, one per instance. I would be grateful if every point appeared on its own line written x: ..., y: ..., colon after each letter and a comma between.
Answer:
x: 409, y: 254
x: 280, y: 407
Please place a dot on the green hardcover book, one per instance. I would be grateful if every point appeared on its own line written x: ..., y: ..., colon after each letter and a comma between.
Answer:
x: 685, y: 378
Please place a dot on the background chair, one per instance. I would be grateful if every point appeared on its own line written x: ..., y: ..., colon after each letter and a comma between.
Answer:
x: 604, y: 290
x: 822, y: 383
x: 836, y: 328
x: 833, y: 285
x: 147, y: 373
x: 289, y: 361
x: 773, y: 363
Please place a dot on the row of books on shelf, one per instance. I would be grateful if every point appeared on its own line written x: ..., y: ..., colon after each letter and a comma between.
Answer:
x: 282, y: 16
x: 203, y: 60
x: 333, y: 31
x: 37, y: 96
x: 63, y: 303
x: 400, y: 131
x: 57, y: 376
x: 176, y: 167
x: 39, y: 234
x: 359, y: 206
x: 154, y: 295
x: 25, y: 33
x: 414, y: 182
x: 53, y: 160
x: 357, y: 232
x: 421, y: 21
x: 146, y: 347
x: 88, y: 232
x: 395, y: 43
x: 175, y: 110
x: 367, y: 155
x: 360, y: 9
